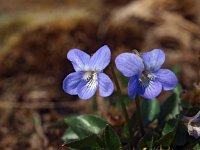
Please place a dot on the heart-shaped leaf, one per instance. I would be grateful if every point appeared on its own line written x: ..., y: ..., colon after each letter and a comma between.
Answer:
x: 69, y: 135
x: 91, y: 141
x: 85, y: 125
x: 90, y: 132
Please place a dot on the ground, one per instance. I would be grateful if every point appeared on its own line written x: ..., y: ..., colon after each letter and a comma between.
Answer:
x: 35, y: 37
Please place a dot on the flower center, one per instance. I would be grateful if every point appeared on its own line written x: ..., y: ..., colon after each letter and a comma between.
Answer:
x: 145, y: 79
x: 91, y: 78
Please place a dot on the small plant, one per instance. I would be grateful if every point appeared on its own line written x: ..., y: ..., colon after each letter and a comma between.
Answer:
x: 162, y: 126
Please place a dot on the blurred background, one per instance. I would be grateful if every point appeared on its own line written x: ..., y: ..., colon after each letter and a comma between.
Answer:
x: 36, y: 35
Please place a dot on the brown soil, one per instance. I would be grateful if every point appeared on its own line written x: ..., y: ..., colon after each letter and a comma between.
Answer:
x: 36, y: 36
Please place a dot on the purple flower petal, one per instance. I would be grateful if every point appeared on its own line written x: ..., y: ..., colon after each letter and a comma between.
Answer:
x: 152, y: 90
x: 71, y: 82
x: 86, y: 89
x: 129, y: 64
x: 133, y: 85
x: 153, y: 60
x: 106, y: 86
x: 167, y: 78
x: 101, y: 58
x: 79, y: 59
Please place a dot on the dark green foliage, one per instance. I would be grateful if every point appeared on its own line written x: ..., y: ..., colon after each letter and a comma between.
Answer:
x: 150, y: 110
x: 90, y: 132
x: 163, y: 126
x: 171, y: 106
x: 168, y: 133
x: 145, y: 142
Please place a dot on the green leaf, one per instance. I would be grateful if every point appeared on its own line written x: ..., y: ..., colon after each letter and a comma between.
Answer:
x: 181, y: 134
x: 86, y: 142
x: 193, y: 143
x: 150, y: 110
x: 125, y: 98
x: 169, y: 126
x: 69, y: 135
x: 171, y: 107
x: 85, y: 125
x: 186, y: 105
x: 168, y: 133
x: 145, y: 142
x: 167, y: 139
x: 124, y: 80
x: 110, y: 138
x: 90, y: 132
x: 196, y: 147
x: 133, y: 124
x: 133, y: 120
x: 176, y: 70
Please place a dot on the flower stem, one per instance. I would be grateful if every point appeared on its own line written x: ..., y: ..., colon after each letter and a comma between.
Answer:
x: 94, y: 103
x: 139, y: 115
x: 198, y: 70
x: 123, y: 106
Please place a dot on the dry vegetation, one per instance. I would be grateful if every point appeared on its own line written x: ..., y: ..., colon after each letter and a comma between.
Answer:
x: 35, y: 37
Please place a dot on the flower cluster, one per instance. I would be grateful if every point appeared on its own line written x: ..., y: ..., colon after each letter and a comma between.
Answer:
x: 146, y: 76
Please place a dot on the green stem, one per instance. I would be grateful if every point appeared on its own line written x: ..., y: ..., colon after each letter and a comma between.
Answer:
x: 123, y: 106
x: 198, y: 70
x: 139, y: 115
x: 94, y: 103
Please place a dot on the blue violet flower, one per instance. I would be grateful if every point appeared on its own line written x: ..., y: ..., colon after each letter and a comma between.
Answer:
x: 146, y: 77
x: 89, y: 74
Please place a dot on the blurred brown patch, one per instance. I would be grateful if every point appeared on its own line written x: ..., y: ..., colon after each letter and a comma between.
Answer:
x: 33, y: 56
